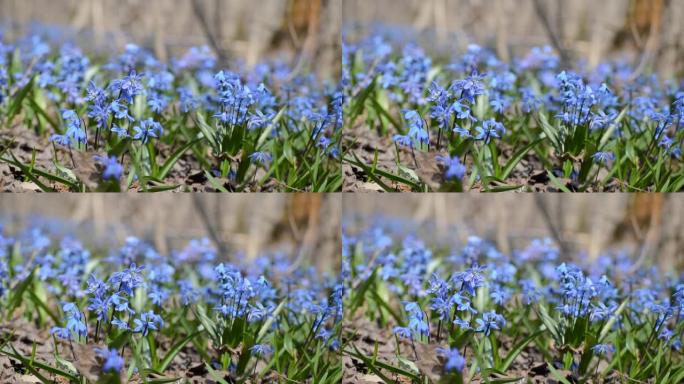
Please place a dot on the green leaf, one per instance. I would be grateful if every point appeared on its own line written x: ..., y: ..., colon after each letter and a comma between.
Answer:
x: 549, y: 322
x: 169, y: 163
x: 557, y: 374
x: 517, y: 157
x: 373, y: 366
x: 207, y: 131
x: 609, y: 324
x: 517, y: 349
x: 17, y: 100
x: 549, y: 130
x: 175, y: 350
x: 17, y: 294
x: 557, y: 182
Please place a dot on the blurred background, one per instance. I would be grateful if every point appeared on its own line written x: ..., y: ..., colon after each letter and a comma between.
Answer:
x: 650, y: 32
x: 249, y: 30
x: 651, y: 226
x: 306, y: 225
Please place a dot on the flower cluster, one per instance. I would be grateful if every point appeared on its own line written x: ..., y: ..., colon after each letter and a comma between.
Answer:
x: 480, y: 107
x: 468, y: 296
x: 136, y: 108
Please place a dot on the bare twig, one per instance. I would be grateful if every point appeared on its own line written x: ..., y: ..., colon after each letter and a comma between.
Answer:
x: 555, y: 232
x: 204, y: 216
x: 541, y: 12
x: 198, y: 10
x: 311, y: 40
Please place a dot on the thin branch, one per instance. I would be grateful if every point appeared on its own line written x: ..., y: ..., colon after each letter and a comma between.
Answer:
x: 557, y: 235
x: 553, y: 36
x: 204, y: 216
x: 204, y: 24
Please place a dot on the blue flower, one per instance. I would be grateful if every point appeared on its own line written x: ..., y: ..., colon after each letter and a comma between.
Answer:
x: 403, y: 332
x: 128, y: 87
x: 120, y: 324
x: 261, y: 158
x: 489, y: 128
x: 120, y: 111
x: 75, y: 134
x: 454, y: 360
x: 148, y: 321
x: 603, y: 349
x: 603, y: 157
x: 112, y: 168
x: 113, y: 362
x: 75, y: 323
x: 403, y: 141
x: 454, y: 168
x: 127, y: 280
x: 261, y: 350
x: 120, y: 132
x: 146, y: 129
x: 489, y: 321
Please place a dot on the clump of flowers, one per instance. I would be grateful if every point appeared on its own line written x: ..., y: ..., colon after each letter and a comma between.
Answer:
x: 480, y: 310
x: 138, y: 309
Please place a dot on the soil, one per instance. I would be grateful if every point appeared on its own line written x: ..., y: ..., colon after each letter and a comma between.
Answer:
x: 530, y: 366
x: 366, y: 143
x: 186, y: 174
x: 186, y: 367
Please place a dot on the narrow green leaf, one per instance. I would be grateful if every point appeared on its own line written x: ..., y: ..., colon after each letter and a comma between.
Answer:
x: 169, y: 163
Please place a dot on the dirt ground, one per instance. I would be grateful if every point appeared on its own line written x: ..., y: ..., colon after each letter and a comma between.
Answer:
x: 187, y: 174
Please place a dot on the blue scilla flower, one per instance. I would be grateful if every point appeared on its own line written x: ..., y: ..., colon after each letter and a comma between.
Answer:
x: 120, y: 110
x: 119, y: 131
x: 127, y: 280
x: 462, y: 111
x: 500, y: 295
x: 403, y: 332
x: 417, y: 320
x: 530, y: 293
x: 148, y: 321
x: 488, y: 322
x: 187, y: 100
x: 437, y: 286
x: 259, y: 120
x: 112, y: 169
x: 128, y: 87
x: 100, y: 307
x: 416, y: 126
x: 75, y: 134
x: 454, y: 169
x: 157, y: 102
x: 454, y: 361
x: 120, y: 324
x: 602, y: 120
x: 462, y: 323
x: 403, y: 141
x: 146, y: 129
x: 470, y: 87
x: 113, y: 362
x: 603, y: 157
x: 603, y: 349
x: 95, y: 94
x: 99, y: 113
x: 442, y: 307
x: 261, y: 158
x: 75, y: 323
x: 488, y: 130
x: 120, y: 303
x: 437, y: 94
x: 261, y: 350
x: 470, y: 279
x: 530, y: 101
x: 158, y: 295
